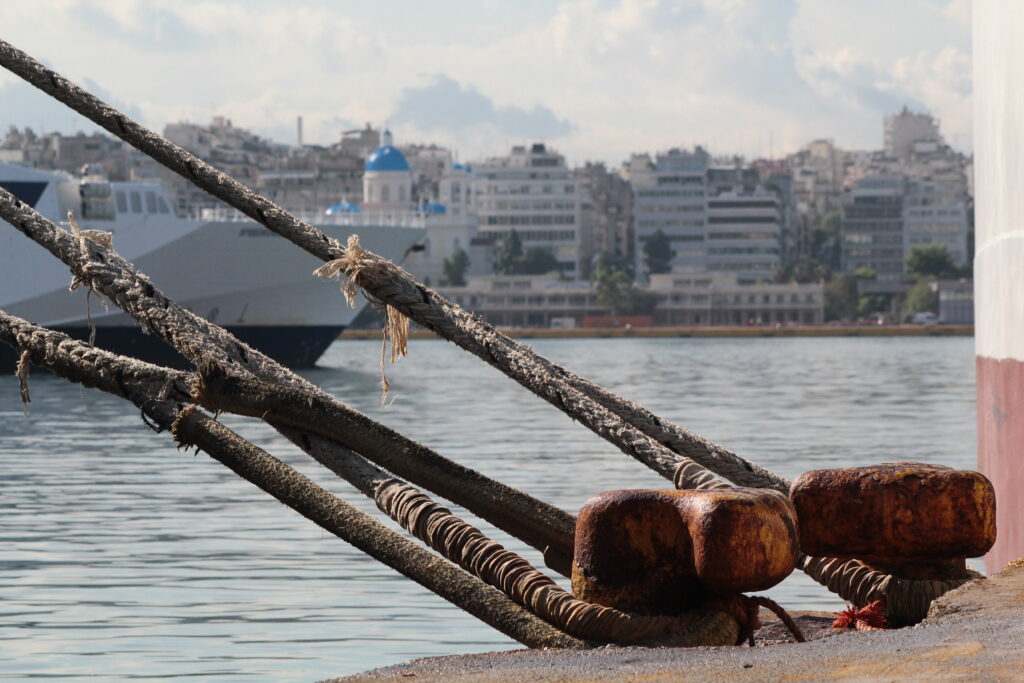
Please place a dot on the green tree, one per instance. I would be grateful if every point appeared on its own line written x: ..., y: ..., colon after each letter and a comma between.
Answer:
x: 922, y: 299
x: 658, y: 253
x: 618, y: 294
x: 808, y: 269
x: 454, y: 269
x: 509, y: 255
x: 536, y: 261
x: 842, y: 300
x: 931, y: 260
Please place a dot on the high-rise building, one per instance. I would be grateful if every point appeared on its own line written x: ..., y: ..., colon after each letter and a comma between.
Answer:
x: 931, y: 216
x: 905, y: 129
x: 872, y: 226
x: 744, y: 234
x: 670, y: 194
x: 532, y: 192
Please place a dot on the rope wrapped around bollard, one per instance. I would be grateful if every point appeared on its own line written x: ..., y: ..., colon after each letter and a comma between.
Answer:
x: 655, y: 442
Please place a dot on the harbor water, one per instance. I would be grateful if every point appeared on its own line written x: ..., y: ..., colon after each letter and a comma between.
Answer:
x: 124, y: 558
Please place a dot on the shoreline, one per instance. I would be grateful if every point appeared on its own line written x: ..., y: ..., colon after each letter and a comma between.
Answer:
x: 704, y: 332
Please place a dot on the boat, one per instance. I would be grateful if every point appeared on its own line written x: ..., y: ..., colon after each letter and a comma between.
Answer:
x: 219, y: 264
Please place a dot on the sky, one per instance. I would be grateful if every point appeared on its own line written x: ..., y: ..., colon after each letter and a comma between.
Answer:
x: 595, y: 79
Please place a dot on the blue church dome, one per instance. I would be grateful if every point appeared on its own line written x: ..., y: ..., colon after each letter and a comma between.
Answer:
x: 434, y: 208
x: 387, y: 158
x: 343, y: 207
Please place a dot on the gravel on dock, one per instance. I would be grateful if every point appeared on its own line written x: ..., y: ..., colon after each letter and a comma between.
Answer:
x: 973, y: 633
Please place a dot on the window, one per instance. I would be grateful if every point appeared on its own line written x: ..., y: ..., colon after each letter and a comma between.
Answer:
x: 150, y: 202
x: 136, y: 201
x: 385, y: 193
x: 122, y: 202
x: 162, y: 204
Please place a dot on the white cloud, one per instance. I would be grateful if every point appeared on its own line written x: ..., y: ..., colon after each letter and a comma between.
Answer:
x: 629, y: 74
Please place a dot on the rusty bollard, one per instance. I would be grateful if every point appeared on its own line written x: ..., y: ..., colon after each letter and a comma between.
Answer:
x: 908, y: 519
x: 664, y: 552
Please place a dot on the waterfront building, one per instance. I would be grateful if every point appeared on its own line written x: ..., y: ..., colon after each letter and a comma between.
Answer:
x: 606, y: 215
x: 934, y: 217
x: 956, y: 301
x: 452, y: 225
x: 724, y: 299
x: 744, y: 234
x: 872, y: 226
x: 531, y: 191
x: 719, y: 299
x: 670, y: 195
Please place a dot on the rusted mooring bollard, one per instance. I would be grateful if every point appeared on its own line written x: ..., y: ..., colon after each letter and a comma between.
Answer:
x: 664, y: 552
x: 908, y: 519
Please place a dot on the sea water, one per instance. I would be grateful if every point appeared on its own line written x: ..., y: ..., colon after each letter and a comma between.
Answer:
x: 122, y: 557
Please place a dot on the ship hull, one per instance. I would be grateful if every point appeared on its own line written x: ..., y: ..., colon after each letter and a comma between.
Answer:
x: 296, y: 346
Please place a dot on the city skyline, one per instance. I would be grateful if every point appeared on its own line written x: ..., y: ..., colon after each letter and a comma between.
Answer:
x: 597, y: 80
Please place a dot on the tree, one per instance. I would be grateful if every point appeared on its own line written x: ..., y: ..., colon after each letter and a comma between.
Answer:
x: 454, y: 269
x: 658, y: 253
x: 536, y: 261
x: 510, y: 253
x: 617, y: 292
x: 842, y: 300
x: 922, y: 299
x: 931, y: 260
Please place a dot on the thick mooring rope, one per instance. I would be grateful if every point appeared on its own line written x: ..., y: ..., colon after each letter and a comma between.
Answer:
x: 636, y: 431
x: 158, y: 391
x: 514, y: 576
x: 215, y: 351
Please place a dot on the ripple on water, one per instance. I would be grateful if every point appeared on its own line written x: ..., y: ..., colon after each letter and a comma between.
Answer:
x: 125, y: 558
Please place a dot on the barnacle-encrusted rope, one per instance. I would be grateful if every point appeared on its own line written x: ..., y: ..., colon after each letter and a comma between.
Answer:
x: 465, y: 545
x: 215, y: 351
x: 391, y: 285
x: 158, y: 391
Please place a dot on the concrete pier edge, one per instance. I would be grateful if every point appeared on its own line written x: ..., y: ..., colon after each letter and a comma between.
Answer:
x: 975, y: 632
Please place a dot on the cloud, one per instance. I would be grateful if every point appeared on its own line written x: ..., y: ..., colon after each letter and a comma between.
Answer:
x: 600, y: 78
x: 23, y: 105
x: 445, y: 106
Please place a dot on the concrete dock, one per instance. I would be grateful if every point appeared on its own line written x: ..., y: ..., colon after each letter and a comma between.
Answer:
x: 973, y: 633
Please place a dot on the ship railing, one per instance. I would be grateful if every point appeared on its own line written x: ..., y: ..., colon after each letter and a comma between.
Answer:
x: 402, y: 219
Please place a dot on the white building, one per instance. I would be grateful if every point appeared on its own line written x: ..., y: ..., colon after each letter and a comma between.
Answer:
x: 669, y: 194
x: 744, y: 234
x: 532, y: 192
x: 387, y: 180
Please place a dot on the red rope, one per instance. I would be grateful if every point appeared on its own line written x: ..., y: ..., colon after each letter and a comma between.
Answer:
x: 868, y: 618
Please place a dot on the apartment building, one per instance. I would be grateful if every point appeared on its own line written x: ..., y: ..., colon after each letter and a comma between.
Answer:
x: 872, y: 226
x: 533, y: 192
x: 670, y: 195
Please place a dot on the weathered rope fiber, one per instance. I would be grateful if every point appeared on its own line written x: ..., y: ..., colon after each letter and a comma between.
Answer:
x: 215, y: 351
x: 157, y: 391
x: 465, y: 545
x: 906, y: 600
x: 617, y: 420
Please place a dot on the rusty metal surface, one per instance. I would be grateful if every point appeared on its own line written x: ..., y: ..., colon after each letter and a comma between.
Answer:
x: 660, y: 552
x: 895, y: 513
